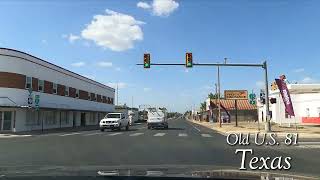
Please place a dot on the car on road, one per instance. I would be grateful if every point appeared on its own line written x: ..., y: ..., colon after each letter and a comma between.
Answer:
x: 157, y: 118
x: 114, y: 121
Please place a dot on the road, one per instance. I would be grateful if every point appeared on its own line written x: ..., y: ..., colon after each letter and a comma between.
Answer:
x: 184, y: 143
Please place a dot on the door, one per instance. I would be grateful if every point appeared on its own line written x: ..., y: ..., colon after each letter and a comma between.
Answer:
x: 83, y: 119
x: 5, y: 120
x: 74, y: 119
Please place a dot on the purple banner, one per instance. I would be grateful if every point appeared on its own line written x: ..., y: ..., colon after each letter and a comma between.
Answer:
x: 285, y: 96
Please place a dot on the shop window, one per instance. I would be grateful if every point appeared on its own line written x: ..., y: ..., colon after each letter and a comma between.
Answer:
x: 55, y: 88
x: 318, y: 109
x: 49, y: 117
x: 66, y: 91
x: 40, y: 85
x: 63, y: 117
x: 28, y: 82
x: 32, y: 118
x: 77, y: 93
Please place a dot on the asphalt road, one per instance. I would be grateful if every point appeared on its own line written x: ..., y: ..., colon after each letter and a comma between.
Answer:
x: 183, y: 144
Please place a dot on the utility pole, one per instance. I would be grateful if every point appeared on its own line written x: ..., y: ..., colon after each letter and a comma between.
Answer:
x: 131, y: 101
x: 267, y: 125
x: 117, y: 95
x: 216, y: 100
x: 219, y: 108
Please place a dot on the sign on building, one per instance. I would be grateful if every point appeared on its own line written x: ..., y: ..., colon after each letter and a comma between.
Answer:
x: 236, y: 94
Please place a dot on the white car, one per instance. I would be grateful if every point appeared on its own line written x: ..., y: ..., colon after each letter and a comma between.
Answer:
x: 114, y: 121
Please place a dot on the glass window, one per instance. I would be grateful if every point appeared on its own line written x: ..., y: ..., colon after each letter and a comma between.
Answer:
x: 64, y: 118
x: 113, y: 115
x: 77, y: 93
x: 28, y: 82
x: 40, y: 85
x: 54, y: 89
x: 89, y: 96
x: 66, y: 91
x: 318, y: 111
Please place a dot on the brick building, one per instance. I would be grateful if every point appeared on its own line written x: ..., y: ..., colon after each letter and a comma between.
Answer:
x: 35, y: 94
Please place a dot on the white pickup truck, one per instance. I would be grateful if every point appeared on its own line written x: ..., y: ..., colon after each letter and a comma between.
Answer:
x: 114, y: 121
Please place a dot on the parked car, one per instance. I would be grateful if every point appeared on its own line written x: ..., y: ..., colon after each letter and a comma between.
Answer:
x: 114, y: 121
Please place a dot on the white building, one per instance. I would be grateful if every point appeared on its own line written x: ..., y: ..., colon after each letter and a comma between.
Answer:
x: 306, y: 104
x: 66, y: 99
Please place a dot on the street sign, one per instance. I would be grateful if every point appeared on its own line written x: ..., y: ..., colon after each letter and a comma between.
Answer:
x: 252, y: 98
x: 236, y: 94
x: 30, y: 100
x: 37, y: 101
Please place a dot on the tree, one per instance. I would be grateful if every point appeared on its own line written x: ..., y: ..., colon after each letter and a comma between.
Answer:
x: 212, y: 96
x: 203, y: 106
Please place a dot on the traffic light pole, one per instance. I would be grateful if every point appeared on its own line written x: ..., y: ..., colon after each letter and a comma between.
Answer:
x: 263, y: 65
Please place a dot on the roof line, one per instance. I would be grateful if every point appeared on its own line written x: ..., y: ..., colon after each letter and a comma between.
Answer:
x: 105, y: 86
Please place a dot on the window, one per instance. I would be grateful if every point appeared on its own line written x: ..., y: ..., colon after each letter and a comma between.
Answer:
x: 32, y: 118
x: 49, y: 117
x: 54, y: 89
x: 66, y: 91
x: 64, y: 118
x: 95, y: 97
x: 318, y: 111
x: 77, y: 93
x: 28, y: 82
x: 89, y: 96
x: 40, y: 85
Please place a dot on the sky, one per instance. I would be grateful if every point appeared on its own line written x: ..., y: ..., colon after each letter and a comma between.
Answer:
x: 105, y: 39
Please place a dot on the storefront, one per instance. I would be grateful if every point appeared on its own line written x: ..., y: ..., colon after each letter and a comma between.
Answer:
x: 306, y: 104
x: 35, y: 94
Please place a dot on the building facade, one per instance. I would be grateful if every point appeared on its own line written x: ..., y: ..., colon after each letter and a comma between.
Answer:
x: 35, y: 94
x: 306, y: 105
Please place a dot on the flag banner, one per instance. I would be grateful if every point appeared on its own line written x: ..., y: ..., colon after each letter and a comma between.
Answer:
x: 285, y: 96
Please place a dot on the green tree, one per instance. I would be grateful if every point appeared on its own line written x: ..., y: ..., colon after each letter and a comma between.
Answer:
x: 202, y: 106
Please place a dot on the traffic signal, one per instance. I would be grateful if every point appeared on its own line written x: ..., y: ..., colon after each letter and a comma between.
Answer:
x: 262, y: 98
x: 189, y: 60
x: 146, y: 60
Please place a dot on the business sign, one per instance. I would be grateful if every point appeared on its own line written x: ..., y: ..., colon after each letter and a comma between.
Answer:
x: 236, y: 94
x: 285, y: 96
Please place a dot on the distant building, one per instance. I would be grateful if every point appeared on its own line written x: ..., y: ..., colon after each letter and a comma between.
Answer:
x: 246, y: 111
x: 306, y: 105
x: 35, y: 94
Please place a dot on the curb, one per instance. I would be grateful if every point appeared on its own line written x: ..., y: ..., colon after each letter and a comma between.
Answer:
x: 281, y: 134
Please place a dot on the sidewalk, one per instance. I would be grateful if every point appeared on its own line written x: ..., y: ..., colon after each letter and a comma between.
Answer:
x: 54, y: 130
x: 305, y: 131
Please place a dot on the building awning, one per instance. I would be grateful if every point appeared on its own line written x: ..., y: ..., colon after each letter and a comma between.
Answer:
x: 230, y: 104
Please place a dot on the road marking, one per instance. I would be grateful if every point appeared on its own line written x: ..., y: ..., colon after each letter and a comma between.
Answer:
x: 206, y: 135
x: 195, y: 127
x: 159, y: 134
x: 183, y: 135
x: 136, y: 134
x: 309, y: 146
x: 93, y: 134
x: 114, y: 134
x: 70, y: 134
x: 309, y: 143
x: 13, y: 135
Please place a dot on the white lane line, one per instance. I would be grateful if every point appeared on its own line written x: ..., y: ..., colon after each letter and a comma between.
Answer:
x: 97, y: 133
x: 206, y: 135
x: 309, y: 143
x: 309, y: 146
x: 136, y: 134
x: 183, y: 135
x: 114, y: 134
x: 70, y: 134
x: 159, y: 134
x: 195, y: 127
x: 13, y: 135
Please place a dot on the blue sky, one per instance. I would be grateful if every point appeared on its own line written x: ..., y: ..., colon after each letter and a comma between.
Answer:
x: 106, y: 48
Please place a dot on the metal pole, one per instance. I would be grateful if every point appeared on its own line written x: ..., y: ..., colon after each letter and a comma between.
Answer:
x: 236, y: 107
x: 117, y: 95
x: 267, y: 125
x: 216, y: 102
x: 219, y: 109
